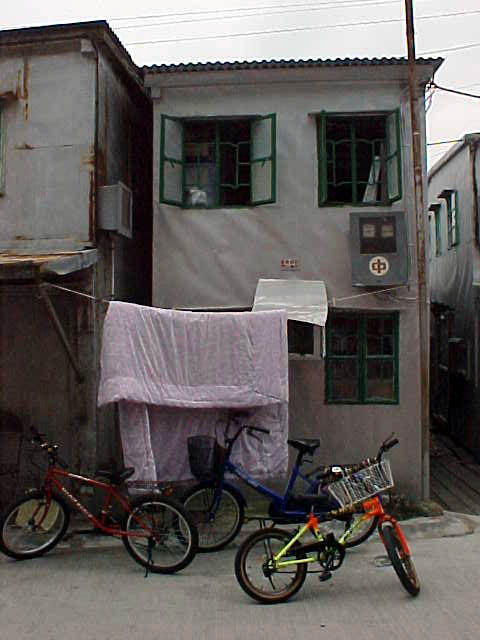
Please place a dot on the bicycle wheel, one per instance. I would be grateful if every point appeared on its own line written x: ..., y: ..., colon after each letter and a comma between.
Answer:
x: 401, y: 561
x: 361, y: 531
x: 216, y: 527
x: 164, y: 538
x: 254, y: 567
x: 33, y: 525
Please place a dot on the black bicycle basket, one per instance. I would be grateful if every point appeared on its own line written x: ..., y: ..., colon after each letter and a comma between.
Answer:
x: 205, y: 456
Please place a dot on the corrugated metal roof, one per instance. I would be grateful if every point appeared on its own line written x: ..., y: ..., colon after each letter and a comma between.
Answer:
x: 286, y: 64
x: 91, y: 28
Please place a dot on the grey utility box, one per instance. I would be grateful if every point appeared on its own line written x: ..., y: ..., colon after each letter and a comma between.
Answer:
x: 379, y: 248
x: 115, y: 209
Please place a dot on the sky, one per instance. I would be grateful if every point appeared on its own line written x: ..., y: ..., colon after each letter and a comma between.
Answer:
x: 175, y: 31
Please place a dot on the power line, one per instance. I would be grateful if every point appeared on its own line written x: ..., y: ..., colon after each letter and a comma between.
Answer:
x: 298, y: 29
x: 431, y: 144
x: 338, y: 4
x: 459, y: 48
x: 258, y: 11
x: 461, y: 93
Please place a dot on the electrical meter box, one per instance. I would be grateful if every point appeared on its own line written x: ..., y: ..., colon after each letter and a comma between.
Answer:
x: 379, y: 248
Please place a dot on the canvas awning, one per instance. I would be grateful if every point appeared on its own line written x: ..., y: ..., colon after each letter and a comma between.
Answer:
x: 28, y: 266
x: 304, y: 300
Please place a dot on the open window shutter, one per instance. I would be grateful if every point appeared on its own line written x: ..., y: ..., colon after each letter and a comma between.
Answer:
x: 262, y: 160
x: 322, y: 158
x: 171, y: 161
x: 393, y: 160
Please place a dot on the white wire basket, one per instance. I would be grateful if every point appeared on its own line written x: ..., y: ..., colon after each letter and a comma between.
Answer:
x: 363, y: 484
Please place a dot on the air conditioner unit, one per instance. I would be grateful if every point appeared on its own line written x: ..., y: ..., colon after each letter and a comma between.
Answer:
x: 379, y: 249
x: 114, y: 211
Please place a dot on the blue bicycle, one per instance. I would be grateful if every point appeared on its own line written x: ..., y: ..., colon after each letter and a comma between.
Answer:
x: 218, y: 507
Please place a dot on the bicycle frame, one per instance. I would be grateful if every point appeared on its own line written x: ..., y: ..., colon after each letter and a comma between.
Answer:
x: 279, y: 501
x: 372, y: 508
x: 52, y: 480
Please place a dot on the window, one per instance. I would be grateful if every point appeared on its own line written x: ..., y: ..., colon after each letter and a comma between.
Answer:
x: 217, y: 162
x: 451, y: 198
x: 359, y: 158
x: 435, y: 210
x: 304, y: 339
x: 362, y: 358
x: 2, y: 151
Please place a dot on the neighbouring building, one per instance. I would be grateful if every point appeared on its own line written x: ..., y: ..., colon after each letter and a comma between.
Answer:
x: 300, y: 172
x: 75, y: 212
x: 454, y: 266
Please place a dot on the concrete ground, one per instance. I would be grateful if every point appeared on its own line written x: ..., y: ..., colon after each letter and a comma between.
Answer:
x: 89, y: 587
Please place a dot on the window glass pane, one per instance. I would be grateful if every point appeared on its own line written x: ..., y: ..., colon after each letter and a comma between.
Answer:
x: 344, y: 336
x: 343, y: 379
x: 380, y: 380
x: 378, y: 235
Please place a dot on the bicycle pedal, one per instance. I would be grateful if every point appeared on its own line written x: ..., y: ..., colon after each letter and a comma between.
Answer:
x: 326, y: 575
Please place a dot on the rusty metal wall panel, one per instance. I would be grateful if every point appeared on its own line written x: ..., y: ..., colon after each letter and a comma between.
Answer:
x: 49, y: 145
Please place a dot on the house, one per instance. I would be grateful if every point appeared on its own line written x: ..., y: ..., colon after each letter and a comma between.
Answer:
x: 75, y: 215
x: 272, y: 177
x: 454, y: 267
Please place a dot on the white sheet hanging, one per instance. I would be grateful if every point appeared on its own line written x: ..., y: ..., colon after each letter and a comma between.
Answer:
x: 173, y: 372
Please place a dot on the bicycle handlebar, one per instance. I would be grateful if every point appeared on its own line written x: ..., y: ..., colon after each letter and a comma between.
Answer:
x: 51, y: 449
x: 340, y: 469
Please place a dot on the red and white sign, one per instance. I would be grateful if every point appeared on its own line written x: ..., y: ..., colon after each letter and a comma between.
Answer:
x: 379, y: 266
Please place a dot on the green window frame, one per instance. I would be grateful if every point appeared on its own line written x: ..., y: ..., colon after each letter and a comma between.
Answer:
x: 203, y: 172
x: 451, y: 200
x: 2, y: 150
x: 436, y: 212
x: 362, y: 363
x: 361, y: 163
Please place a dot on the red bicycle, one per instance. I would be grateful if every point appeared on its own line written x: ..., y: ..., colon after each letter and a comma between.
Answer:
x: 156, y: 530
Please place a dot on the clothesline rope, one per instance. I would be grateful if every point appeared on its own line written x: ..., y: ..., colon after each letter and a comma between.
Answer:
x: 334, y: 300
x: 368, y: 293
x: 78, y: 293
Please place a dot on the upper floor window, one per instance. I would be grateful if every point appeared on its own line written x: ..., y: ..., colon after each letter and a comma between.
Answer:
x: 2, y: 150
x: 217, y: 162
x: 362, y: 358
x: 436, y: 241
x: 451, y: 199
x: 359, y: 158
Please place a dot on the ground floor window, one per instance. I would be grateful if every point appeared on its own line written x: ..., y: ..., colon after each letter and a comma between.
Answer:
x: 362, y: 358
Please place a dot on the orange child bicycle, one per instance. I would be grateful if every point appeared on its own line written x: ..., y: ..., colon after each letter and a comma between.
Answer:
x: 271, y: 565
x: 156, y: 530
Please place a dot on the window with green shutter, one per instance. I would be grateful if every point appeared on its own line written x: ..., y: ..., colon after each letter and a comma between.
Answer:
x: 217, y: 162
x: 436, y: 226
x: 362, y: 358
x: 359, y: 160
x: 451, y: 199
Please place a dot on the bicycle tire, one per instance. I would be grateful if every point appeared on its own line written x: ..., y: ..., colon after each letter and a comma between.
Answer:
x: 173, y: 544
x: 251, y: 561
x: 215, y: 529
x: 362, y: 533
x: 401, y: 561
x: 28, y: 531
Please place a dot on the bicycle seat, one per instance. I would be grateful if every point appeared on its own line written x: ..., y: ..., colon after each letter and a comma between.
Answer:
x: 306, y: 445
x: 116, y: 477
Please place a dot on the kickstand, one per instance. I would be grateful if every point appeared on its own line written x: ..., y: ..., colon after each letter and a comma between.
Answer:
x: 149, y: 564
